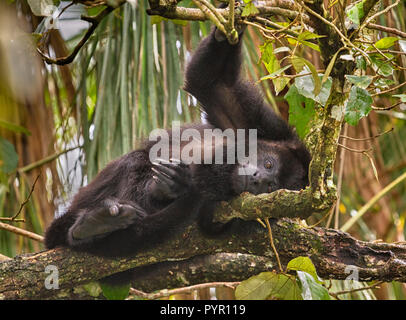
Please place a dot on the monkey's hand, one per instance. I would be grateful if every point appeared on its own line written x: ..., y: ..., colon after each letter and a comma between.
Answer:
x: 170, y: 180
x: 240, y: 27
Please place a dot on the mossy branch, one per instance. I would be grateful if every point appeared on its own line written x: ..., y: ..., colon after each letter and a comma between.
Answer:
x: 331, y: 251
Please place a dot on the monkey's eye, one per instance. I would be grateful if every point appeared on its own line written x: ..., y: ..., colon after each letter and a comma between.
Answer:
x: 268, y: 164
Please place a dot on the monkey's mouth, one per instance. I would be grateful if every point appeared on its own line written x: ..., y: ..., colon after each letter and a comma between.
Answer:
x: 248, y: 184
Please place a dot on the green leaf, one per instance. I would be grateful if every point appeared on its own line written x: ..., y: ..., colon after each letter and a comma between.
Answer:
x: 329, y: 68
x: 312, y: 45
x: 249, y: 9
x: 267, y: 54
x: 358, y: 105
x: 303, y: 37
x: 402, y: 97
x: 157, y: 19
x: 8, y: 156
x: 360, y: 81
x: 281, y: 49
x: 307, y: 35
x: 381, y: 65
x: 93, y: 289
x: 303, y: 264
x: 311, y: 290
x: 94, y: 11
x: 36, y: 37
x: 305, y: 87
x: 297, y: 63
x: 301, y: 111
x: 361, y: 63
x: 115, y: 292
x: 268, y: 284
x: 14, y: 127
x: 280, y: 84
x: 276, y: 73
x: 179, y: 22
x: 383, y: 83
x: 273, y: 66
x: 356, y: 13
x: 316, y: 78
x: 384, y: 43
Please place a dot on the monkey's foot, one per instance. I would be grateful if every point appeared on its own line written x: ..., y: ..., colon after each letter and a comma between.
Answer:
x: 99, y: 222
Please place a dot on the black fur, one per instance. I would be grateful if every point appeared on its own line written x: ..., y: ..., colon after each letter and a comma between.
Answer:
x: 125, y: 208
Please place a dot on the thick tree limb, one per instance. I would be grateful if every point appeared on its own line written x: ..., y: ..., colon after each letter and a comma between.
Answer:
x: 224, y: 267
x: 331, y: 251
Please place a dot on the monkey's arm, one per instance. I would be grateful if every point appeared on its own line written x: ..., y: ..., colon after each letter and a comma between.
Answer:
x: 213, y: 77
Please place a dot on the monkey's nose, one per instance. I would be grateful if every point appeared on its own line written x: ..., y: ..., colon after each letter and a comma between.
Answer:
x: 259, y: 180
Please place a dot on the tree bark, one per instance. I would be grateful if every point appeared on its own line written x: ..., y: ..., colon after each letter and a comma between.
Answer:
x: 334, y: 254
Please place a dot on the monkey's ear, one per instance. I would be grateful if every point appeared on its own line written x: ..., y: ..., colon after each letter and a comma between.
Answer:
x: 301, y: 153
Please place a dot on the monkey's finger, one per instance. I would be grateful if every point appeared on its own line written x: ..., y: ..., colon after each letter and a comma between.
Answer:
x: 160, y: 160
x: 166, y: 169
x: 114, y: 210
x: 178, y: 173
x: 175, y: 161
x: 165, y: 164
x: 180, y: 168
x: 173, y: 171
x: 164, y: 178
x: 179, y: 163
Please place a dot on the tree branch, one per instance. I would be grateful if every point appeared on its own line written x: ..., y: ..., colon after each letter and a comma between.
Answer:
x: 94, y: 22
x: 229, y: 267
x: 331, y: 251
x: 386, y: 29
x: 21, y: 232
x: 187, y: 290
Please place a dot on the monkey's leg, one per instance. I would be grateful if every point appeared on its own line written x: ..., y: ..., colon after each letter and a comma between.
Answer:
x: 96, y: 223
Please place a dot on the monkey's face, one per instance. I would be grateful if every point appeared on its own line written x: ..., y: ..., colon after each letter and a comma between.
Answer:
x: 278, y: 166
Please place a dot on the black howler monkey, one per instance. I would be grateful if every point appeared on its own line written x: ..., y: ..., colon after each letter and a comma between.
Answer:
x: 133, y: 203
